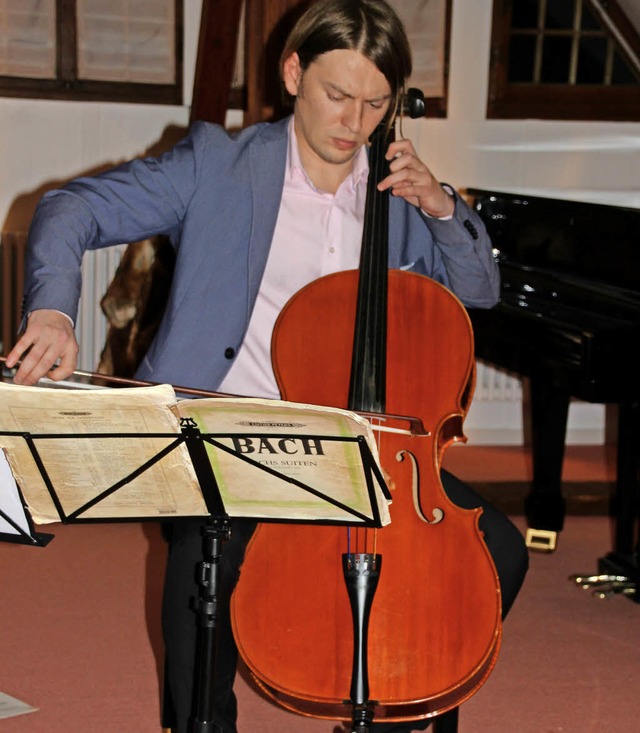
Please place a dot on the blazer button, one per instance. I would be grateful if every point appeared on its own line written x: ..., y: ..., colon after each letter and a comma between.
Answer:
x: 229, y: 352
x: 470, y: 228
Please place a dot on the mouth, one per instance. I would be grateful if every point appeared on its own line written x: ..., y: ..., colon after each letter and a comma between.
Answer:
x: 343, y: 144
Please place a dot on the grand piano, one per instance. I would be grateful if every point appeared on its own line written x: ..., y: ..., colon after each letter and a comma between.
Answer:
x: 569, y: 321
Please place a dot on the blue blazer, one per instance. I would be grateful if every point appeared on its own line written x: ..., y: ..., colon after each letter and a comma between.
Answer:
x: 217, y: 198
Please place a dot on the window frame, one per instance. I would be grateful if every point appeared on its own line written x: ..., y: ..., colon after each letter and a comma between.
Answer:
x: 510, y: 100
x: 66, y: 85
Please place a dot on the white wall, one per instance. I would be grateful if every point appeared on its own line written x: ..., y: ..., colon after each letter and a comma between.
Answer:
x: 589, y: 161
x: 593, y: 161
x: 43, y: 142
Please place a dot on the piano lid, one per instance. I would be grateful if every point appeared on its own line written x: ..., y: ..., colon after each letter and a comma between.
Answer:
x: 597, y: 242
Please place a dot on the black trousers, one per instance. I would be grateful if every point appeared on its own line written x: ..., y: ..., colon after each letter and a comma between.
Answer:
x: 504, y: 541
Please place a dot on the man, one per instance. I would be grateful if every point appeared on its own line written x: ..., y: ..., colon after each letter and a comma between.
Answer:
x: 253, y: 218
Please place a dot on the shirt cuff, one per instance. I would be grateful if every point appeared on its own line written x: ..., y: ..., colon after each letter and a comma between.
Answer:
x: 451, y: 193
x: 68, y: 317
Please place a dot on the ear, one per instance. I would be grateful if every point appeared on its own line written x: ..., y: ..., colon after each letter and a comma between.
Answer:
x: 291, y: 73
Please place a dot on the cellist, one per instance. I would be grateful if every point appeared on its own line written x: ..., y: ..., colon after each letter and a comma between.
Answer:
x: 253, y: 217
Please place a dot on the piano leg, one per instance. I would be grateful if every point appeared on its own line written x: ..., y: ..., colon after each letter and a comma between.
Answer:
x: 624, y: 561
x: 545, y: 505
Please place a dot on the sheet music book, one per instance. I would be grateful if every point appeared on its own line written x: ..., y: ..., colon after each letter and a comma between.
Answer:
x: 11, y: 707
x: 271, y: 459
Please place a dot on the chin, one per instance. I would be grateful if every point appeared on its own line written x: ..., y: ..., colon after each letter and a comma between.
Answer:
x: 340, y: 156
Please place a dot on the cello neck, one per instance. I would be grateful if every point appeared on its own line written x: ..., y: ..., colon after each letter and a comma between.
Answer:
x: 368, y: 366
x: 367, y: 384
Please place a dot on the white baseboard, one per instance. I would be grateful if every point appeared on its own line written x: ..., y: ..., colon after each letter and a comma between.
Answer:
x: 501, y: 423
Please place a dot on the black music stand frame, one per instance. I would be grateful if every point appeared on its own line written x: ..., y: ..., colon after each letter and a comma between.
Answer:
x: 21, y: 537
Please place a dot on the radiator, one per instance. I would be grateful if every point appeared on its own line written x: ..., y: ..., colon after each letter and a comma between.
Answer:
x: 98, y: 268
x: 494, y: 385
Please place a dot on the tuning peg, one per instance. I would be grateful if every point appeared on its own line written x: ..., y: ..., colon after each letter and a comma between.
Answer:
x: 413, y: 103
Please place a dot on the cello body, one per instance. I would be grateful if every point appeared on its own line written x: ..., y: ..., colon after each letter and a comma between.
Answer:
x: 434, y: 629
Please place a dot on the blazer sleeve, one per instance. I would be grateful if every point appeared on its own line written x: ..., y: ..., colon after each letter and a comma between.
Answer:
x: 466, y: 256
x: 133, y: 201
x: 457, y: 252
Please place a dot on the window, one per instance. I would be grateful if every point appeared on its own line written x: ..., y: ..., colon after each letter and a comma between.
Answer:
x: 107, y: 50
x: 563, y: 59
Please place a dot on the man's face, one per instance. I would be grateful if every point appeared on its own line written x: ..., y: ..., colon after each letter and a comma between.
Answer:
x: 340, y: 100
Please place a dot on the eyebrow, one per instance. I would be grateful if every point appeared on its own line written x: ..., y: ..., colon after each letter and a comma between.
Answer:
x: 344, y: 93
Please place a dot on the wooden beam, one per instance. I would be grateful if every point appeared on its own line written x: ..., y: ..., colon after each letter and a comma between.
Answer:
x: 215, y: 62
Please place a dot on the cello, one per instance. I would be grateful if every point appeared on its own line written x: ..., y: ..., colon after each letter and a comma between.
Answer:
x: 403, y: 622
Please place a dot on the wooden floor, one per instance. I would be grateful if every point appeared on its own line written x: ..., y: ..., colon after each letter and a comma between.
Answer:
x: 502, y: 474
x: 80, y: 629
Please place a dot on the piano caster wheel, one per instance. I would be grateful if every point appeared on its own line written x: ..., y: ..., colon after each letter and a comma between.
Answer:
x: 542, y: 540
x: 605, y: 586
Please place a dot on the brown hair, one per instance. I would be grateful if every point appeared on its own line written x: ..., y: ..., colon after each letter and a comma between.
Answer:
x: 371, y: 27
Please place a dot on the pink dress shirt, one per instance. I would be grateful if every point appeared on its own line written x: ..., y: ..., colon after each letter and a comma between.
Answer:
x: 316, y: 233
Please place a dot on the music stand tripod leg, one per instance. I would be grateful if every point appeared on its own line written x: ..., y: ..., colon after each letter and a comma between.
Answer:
x: 215, y: 533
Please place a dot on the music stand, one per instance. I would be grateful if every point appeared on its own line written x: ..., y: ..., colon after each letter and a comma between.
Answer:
x: 215, y: 533
x: 199, y: 446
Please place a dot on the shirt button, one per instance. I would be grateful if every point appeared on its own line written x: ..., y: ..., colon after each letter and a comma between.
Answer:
x: 229, y: 353
x: 332, y: 250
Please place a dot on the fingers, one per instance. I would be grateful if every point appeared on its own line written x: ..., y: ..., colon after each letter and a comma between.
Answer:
x: 411, y: 179
x: 400, y: 147
x: 47, y: 347
x: 407, y: 172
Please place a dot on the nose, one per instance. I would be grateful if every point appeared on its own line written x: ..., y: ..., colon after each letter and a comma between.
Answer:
x: 353, y: 116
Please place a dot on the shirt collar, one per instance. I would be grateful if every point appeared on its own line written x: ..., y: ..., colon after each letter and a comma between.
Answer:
x: 296, y: 171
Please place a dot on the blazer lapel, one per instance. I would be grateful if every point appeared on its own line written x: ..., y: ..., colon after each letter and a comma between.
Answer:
x: 268, y: 156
